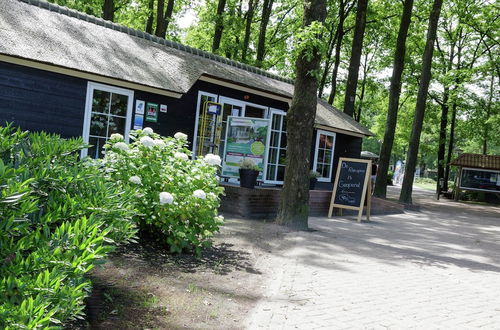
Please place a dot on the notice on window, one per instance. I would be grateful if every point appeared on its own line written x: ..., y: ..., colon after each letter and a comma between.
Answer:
x: 245, y: 138
x: 152, y: 112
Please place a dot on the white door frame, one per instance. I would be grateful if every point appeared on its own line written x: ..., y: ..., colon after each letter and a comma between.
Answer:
x: 196, y: 120
x: 273, y: 111
x: 91, y: 86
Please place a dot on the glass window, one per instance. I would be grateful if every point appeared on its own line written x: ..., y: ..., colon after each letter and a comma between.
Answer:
x: 276, y: 157
x: 323, y: 156
x: 108, y: 111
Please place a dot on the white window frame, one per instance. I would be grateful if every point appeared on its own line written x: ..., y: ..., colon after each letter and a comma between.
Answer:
x: 91, y: 86
x: 315, y: 165
x: 272, y: 111
x: 196, y: 120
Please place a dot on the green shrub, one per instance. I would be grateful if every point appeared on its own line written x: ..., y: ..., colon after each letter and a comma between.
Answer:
x: 59, y: 216
x: 177, y: 198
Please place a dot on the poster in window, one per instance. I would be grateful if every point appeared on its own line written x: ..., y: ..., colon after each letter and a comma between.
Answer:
x: 139, y: 107
x: 245, y: 138
x: 152, y: 112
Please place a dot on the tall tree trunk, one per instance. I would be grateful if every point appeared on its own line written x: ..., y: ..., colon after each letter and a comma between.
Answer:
x: 338, y: 48
x: 357, y: 47
x: 149, y: 22
x: 248, y: 28
x: 394, y: 93
x: 363, y: 87
x: 294, y: 205
x: 168, y: 16
x: 444, y: 124
x: 219, y: 25
x: 425, y: 78
x: 488, y: 112
x: 108, y: 10
x: 331, y: 45
x: 160, y: 22
x: 261, y: 44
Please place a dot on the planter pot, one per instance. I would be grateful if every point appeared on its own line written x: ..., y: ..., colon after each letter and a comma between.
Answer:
x: 312, y: 183
x: 248, y: 178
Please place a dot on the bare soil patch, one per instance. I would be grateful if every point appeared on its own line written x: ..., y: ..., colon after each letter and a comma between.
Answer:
x: 142, y: 286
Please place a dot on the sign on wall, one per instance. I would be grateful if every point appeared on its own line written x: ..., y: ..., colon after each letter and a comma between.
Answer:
x: 152, y: 112
x: 352, y: 186
x: 245, y: 138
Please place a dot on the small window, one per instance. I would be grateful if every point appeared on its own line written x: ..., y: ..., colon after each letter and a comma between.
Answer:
x: 108, y: 110
x: 323, y: 156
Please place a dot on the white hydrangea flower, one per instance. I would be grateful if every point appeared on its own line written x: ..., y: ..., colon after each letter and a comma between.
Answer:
x: 121, y: 146
x: 159, y: 143
x: 212, y: 159
x: 135, y: 179
x: 180, y: 136
x: 219, y: 219
x: 147, y: 130
x: 166, y: 198
x: 116, y: 136
x: 181, y: 155
x: 212, y: 195
x: 199, y: 194
x: 147, y: 141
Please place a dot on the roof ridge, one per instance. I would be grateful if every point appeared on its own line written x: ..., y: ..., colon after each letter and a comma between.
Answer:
x: 143, y: 35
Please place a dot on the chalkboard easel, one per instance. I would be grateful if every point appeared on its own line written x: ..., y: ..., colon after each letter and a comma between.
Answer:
x: 352, y: 186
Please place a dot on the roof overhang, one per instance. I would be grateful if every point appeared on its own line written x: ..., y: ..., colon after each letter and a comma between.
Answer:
x: 86, y: 75
x: 338, y: 130
x: 229, y: 84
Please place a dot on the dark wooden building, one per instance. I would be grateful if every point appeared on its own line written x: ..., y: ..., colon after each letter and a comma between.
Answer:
x: 69, y: 73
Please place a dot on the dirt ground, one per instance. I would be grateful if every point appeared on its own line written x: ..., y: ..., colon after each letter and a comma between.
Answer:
x: 143, y: 287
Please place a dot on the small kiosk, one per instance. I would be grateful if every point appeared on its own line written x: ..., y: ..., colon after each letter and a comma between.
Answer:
x: 478, y: 173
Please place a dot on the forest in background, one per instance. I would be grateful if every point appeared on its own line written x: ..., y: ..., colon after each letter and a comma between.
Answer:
x: 462, y: 109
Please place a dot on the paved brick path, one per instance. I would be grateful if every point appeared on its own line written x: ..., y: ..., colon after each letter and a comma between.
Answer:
x: 434, y: 269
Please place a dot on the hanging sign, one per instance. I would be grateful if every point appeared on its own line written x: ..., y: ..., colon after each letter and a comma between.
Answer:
x: 245, y: 138
x: 152, y: 112
x: 139, y: 107
x: 352, y: 185
x: 163, y: 108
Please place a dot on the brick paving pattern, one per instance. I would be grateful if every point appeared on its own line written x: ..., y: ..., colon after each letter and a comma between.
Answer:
x: 434, y: 269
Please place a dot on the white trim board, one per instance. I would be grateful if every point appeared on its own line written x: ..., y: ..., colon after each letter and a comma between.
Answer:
x: 320, y: 132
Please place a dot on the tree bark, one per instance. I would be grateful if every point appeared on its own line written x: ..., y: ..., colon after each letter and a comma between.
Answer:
x: 425, y: 77
x: 261, y: 44
x: 394, y: 93
x: 108, y: 10
x: 248, y: 28
x: 149, y: 21
x: 160, y: 23
x: 338, y: 48
x: 294, y: 205
x: 488, y: 112
x: 168, y: 15
x: 357, y: 47
x: 219, y: 25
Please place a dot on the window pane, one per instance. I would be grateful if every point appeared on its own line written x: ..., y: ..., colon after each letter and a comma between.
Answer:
x: 276, y: 122
x: 283, y: 140
x: 96, y: 150
x: 254, y: 112
x: 326, y: 171
x: 282, y: 159
x: 281, y: 173
x: 321, y: 156
x: 284, y: 124
x: 98, y: 125
x: 271, y: 172
x: 273, y: 154
x: 319, y: 169
x: 329, y: 143
x: 116, y: 125
x: 100, y: 101
x: 119, y: 105
x: 322, y: 139
x: 274, y: 139
x: 328, y: 156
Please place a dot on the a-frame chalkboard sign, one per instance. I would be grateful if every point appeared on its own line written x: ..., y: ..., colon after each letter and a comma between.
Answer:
x: 352, y: 186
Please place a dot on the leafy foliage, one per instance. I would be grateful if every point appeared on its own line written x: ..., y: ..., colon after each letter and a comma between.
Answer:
x: 177, y: 198
x: 58, y: 218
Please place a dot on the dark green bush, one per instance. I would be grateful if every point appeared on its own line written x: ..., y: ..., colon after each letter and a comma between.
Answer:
x: 59, y: 216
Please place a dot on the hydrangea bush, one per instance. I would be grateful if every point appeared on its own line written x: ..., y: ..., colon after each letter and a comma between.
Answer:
x: 177, y: 198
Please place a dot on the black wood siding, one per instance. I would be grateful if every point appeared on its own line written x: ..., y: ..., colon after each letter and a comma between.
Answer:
x: 38, y: 100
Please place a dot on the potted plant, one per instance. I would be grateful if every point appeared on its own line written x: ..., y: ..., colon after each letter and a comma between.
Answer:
x: 313, y: 178
x: 248, y: 173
